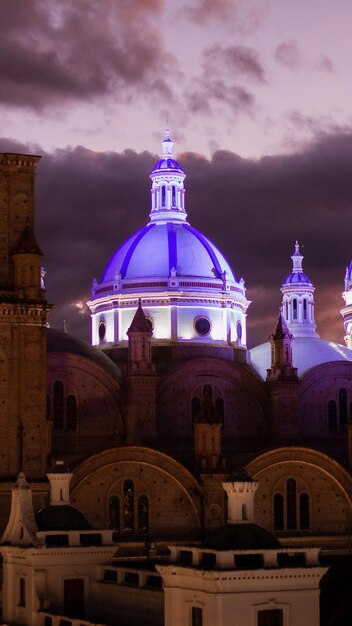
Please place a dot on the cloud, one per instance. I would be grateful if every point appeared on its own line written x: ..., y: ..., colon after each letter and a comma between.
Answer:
x: 325, y: 64
x: 287, y: 54
x: 202, y: 11
x: 238, y: 60
x: 88, y: 203
x: 52, y: 53
x: 222, y: 84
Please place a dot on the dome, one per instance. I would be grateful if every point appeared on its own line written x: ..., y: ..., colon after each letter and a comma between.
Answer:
x: 62, y: 517
x: 59, y: 341
x: 187, y: 288
x: 167, y: 164
x: 307, y: 352
x: 297, y: 278
x: 241, y: 537
x: 155, y: 250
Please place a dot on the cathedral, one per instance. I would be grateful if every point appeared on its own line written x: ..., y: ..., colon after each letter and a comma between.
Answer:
x: 151, y: 434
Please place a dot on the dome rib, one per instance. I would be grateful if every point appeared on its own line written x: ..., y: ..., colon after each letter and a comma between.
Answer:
x: 206, y: 245
x: 131, y: 249
x: 172, y: 243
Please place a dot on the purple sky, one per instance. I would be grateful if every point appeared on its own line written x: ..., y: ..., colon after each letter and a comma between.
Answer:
x: 257, y: 94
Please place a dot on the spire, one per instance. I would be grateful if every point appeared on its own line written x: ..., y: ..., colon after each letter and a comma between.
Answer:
x: 167, y: 186
x: 298, y: 299
x: 21, y: 528
x: 167, y: 145
x: 281, y: 353
x: 139, y: 345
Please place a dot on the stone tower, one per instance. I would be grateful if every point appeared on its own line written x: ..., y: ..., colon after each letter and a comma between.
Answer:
x: 141, y: 382
x: 24, y: 440
x: 282, y: 382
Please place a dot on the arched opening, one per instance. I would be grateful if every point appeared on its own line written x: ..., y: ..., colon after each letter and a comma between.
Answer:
x: 305, y: 309
x: 195, y: 407
x: 291, y: 504
x: 220, y: 410
x: 332, y: 416
x: 128, y: 507
x: 173, y: 192
x: 58, y: 408
x: 143, y: 514
x: 294, y: 309
x: 71, y: 412
x: 163, y: 196
x: 278, y: 512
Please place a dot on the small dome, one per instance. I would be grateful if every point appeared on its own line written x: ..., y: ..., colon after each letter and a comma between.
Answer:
x: 297, y: 278
x: 241, y: 537
x: 239, y: 475
x: 307, y: 352
x: 167, y: 164
x: 59, y: 341
x: 62, y: 517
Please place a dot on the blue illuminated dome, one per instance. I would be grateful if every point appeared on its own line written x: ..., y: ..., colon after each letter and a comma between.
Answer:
x: 156, y: 249
x: 177, y: 272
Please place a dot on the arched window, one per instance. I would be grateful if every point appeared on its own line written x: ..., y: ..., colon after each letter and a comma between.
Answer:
x: 305, y: 309
x: 304, y: 511
x: 239, y: 331
x: 278, y: 512
x: 332, y: 416
x: 71, y: 413
x: 207, y: 392
x: 286, y: 311
x: 128, y: 507
x: 291, y: 504
x: 163, y: 196
x: 58, y: 408
x: 48, y: 407
x: 143, y: 514
x: 220, y: 410
x: 173, y: 195
x: 338, y: 414
x: 294, y: 309
x: 195, y: 407
x: 343, y: 409
x: 295, y: 515
x: 114, y: 513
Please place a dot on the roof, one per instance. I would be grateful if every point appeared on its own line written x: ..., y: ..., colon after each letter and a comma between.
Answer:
x: 167, y: 164
x: 297, y: 278
x: 61, y: 517
x: 239, y: 475
x: 27, y: 243
x: 241, y: 537
x: 307, y: 352
x: 157, y: 248
x: 59, y: 341
x: 140, y: 324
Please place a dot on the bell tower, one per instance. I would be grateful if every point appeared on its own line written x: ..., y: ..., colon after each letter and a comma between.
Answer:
x: 24, y: 440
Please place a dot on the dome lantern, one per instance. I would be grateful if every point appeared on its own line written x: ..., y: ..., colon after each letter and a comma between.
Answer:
x: 167, y: 193
x: 298, y: 299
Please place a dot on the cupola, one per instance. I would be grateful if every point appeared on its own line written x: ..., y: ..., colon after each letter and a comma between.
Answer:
x: 298, y: 299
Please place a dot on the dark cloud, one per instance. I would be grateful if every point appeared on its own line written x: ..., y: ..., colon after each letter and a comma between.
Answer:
x: 287, y: 54
x: 236, y: 59
x: 88, y: 203
x: 52, y: 52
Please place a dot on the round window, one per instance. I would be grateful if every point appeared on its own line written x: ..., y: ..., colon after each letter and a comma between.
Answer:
x: 202, y: 326
x: 102, y: 331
